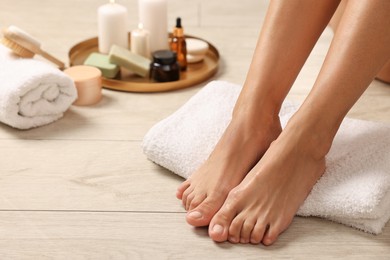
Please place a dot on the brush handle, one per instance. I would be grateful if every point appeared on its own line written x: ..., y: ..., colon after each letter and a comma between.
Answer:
x: 49, y: 57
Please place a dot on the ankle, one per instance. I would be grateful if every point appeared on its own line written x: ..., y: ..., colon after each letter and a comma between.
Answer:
x: 313, y: 135
x: 260, y: 126
x: 255, y: 105
x: 257, y: 114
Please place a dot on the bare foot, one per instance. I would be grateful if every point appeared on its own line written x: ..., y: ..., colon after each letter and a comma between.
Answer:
x: 263, y: 205
x: 241, y: 146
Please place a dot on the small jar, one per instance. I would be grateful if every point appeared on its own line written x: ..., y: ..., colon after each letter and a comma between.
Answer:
x: 164, y: 67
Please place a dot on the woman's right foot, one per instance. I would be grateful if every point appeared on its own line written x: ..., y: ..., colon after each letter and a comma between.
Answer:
x: 244, y: 142
x: 263, y: 205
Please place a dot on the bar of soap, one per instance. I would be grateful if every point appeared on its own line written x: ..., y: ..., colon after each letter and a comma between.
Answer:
x: 131, y: 61
x: 196, y: 50
x: 102, y: 62
x: 196, y: 47
x: 194, y: 58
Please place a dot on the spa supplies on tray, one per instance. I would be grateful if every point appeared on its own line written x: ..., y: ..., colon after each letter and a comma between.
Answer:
x: 32, y: 93
x: 196, y: 73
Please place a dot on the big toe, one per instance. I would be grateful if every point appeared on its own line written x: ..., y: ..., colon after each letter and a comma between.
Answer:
x: 204, y: 212
x: 272, y: 235
x: 219, y: 226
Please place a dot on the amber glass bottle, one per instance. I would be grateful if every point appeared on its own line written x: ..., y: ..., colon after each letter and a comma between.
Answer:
x: 178, y: 44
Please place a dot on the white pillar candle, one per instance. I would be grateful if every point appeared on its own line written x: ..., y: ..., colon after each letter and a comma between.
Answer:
x: 112, y: 26
x: 153, y: 15
x: 139, y: 43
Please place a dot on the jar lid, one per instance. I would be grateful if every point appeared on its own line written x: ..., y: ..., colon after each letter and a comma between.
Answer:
x: 164, y: 57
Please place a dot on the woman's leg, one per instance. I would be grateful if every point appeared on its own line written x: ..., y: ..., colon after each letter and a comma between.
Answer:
x: 265, y: 202
x: 336, y: 18
x: 290, y: 30
x: 384, y: 73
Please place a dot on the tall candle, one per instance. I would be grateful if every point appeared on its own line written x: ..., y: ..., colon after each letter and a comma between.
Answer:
x: 153, y: 15
x: 140, y: 41
x: 112, y: 26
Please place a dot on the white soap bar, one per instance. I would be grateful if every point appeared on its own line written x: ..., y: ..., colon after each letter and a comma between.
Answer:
x: 194, y: 58
x: 196, y: 47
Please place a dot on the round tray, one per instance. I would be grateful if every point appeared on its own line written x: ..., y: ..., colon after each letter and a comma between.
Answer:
x: 195, y: 73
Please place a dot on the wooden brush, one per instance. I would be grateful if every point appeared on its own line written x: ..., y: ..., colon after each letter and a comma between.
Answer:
x: 24, y: 45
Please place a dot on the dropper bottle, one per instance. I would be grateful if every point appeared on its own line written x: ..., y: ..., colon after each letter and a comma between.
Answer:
x: 178, y: 44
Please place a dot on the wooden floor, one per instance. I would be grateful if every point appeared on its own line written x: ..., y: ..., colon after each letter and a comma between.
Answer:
x: 81, y: 187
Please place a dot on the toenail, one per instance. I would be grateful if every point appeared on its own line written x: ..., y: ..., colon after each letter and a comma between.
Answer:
x: 233, y: 240
x: 195, y: 214
x: 218, y: 229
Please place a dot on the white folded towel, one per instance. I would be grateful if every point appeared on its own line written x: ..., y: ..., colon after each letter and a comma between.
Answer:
x: 32, y: 93
x: 354, y: 190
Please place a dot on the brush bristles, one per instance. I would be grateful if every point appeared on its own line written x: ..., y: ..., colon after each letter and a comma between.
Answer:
x: 16, y: 48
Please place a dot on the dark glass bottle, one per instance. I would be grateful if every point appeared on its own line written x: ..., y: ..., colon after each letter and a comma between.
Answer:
x: 164, y: 67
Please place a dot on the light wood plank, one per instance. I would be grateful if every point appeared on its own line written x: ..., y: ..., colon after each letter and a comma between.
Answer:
x: 105, y: 235
x: 86, y: 175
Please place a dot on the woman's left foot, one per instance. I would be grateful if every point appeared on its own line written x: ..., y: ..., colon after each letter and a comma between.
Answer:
x: 263, y: 205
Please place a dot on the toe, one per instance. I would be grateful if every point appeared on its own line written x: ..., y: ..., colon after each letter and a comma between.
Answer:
x: 195, y: 202
x: 202, y: 214
x: 185, y: 196
x: 181, y: 189
x: 235, y: 229
x: 189, y: 199
x: 271, y: 235
x: 258, y: 232
x: 218, y: 233
x: 219, y: 226
x: 246, y: 231
x: 274, y: 230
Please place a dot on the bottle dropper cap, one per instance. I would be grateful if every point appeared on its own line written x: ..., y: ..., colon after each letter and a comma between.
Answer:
x: 178, y: 22
x: 178, y: 30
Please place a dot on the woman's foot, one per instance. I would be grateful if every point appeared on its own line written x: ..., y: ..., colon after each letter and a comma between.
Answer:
x: 263, y: 205
x: 241, y: 146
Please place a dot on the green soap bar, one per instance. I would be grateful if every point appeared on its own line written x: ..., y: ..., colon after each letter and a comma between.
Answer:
x: 131, y: 61
x: 102, y: 62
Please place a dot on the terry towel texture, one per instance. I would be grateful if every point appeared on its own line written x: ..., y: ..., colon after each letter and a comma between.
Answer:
x: 32, y: 93
x: 354, y: 190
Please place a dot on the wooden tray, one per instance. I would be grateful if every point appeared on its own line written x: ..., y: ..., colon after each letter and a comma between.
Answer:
x: 195, y: 74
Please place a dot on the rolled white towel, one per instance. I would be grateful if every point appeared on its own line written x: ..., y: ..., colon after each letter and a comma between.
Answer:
x: 32, y: 93
x: 354, y: 190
